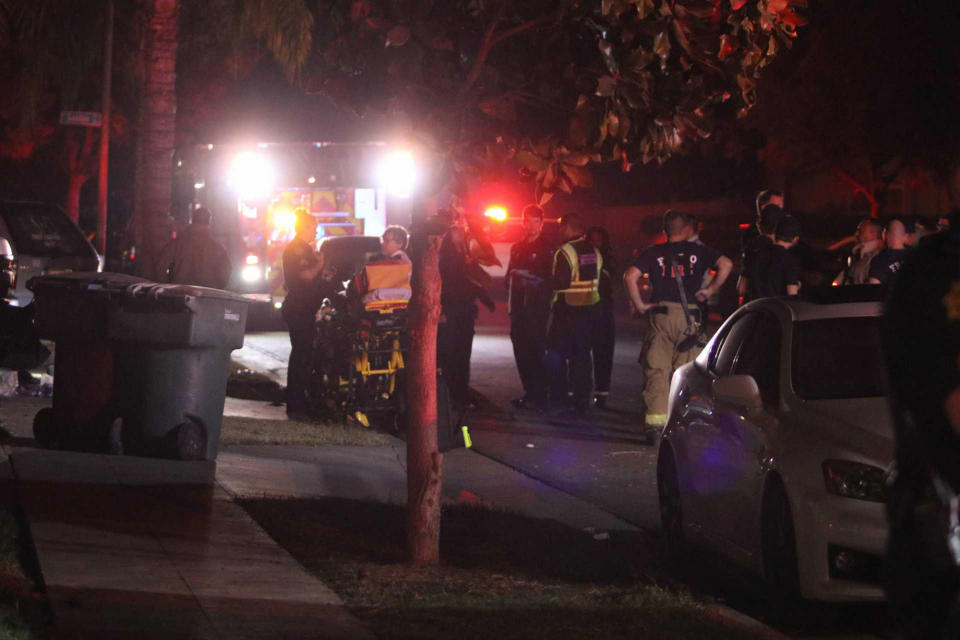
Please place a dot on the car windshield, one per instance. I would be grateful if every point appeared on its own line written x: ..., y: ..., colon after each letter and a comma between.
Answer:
x: 837, y: 358
x: 43, y: 232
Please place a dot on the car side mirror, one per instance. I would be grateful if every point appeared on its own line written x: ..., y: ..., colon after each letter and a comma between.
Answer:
x: 737, y: 391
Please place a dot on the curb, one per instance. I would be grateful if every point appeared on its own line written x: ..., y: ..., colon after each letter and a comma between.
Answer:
x: 742, y: 621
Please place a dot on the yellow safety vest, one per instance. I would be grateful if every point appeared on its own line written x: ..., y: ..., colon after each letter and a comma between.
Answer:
x: 581, y: 292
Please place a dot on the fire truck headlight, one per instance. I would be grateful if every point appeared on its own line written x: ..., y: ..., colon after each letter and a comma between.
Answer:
x: 398, y: 173
x: 251, y: 273
x: 251, y: 176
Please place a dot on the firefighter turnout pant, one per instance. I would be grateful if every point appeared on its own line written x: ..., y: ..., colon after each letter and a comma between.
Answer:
x: 569, y: 354
x: 668, y: 328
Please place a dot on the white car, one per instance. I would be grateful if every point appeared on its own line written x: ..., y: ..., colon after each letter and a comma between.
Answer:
x: 778, y: 443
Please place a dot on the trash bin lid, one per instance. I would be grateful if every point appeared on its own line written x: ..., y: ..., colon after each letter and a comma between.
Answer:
x: 147, y: 289
x: 84, y: 281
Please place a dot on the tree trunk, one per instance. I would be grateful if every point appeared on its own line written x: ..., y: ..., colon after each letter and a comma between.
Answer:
x: 424, y: 461
x: 155, y: 134
x: 77, y: 180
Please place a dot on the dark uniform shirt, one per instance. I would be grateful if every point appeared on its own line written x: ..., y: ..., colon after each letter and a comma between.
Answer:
x: 886, y: 264
x: 693, y: 261
x: 774, y: 268
x: 535, y: 257
x: 303, y: 298
x: 459, y: 293
x: 608, y: 276
x: 755, y: 254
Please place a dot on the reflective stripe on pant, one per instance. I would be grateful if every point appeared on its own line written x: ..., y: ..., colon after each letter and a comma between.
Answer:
x: 661, y: 359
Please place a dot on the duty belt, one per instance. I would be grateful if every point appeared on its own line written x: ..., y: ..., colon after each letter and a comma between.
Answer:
x: 661, y: 309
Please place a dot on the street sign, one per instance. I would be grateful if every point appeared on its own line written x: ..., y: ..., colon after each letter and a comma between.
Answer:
x: 81, y: 118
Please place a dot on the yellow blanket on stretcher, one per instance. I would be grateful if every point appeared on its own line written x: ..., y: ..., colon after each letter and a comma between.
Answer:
x: 385, y: 280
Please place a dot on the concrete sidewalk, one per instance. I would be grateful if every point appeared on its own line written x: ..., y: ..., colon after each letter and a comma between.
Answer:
x: 378, y: 474
x: 141, y: 548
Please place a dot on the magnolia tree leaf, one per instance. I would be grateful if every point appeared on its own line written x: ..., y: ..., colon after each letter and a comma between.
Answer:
x: 531, y: 161
x: 606, y: 86
x: 398, y: 36
x: 644, y: 8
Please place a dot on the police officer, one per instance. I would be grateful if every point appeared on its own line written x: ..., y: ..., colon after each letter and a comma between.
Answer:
x: 576, y: 295
x: 922, y: 345
x: 528, y: 303
x: 671, y: 339
x: 301, y: 270
x: 458, y: 298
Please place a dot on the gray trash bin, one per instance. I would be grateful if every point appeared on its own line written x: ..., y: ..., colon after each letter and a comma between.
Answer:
x: 71, y: 309
x: 172, y: 345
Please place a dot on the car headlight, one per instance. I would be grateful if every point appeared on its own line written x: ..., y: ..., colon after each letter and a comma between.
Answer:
x: 854, y: 480
x: 251, y: 273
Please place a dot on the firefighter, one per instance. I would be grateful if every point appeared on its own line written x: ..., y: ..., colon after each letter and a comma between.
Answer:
x: 921, y: 342
x: 576, y: 296
x: 528, y: 303
x: 676, y: 271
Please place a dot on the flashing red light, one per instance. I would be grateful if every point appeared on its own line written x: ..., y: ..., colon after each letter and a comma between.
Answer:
x: 745, y: 225
x: 496, y: 212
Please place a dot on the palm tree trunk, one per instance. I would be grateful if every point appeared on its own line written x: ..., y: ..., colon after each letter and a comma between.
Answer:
x: 155, y: 133
x: 424, y: 461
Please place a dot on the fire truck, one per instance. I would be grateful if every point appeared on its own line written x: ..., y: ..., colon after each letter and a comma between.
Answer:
x: 254, y: 191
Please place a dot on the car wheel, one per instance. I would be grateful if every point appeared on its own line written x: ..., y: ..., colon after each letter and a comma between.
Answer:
x: 779, y: 549
x: 671, y: 509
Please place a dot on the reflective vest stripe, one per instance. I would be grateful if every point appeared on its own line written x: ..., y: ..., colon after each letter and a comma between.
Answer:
x: 579, y: 293
x: 656, y: 419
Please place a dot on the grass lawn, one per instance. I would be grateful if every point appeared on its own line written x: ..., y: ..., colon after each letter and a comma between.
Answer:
x: 236, y: 430
x: 503, y: 575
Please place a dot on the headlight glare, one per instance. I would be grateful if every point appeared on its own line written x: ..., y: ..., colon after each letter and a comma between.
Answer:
x: 854, y: 480
x: 251, y: 273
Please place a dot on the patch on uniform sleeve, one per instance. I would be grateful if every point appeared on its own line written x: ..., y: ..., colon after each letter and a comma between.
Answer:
x: 951, y: 302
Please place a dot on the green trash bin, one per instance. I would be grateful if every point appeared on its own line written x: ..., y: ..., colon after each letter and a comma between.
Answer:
x: 172, y: 346
x: 71, y: 309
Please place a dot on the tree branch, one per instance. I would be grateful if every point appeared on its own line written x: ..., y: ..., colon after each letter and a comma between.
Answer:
x: 484, y: 50
x: 520, y: 28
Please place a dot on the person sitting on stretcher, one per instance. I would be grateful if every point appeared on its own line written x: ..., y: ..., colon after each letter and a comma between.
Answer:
x: 387, y: 276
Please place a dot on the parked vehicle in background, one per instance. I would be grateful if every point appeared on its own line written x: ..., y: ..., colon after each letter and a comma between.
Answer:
x: 778, y: 443
x: 39, y: 239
